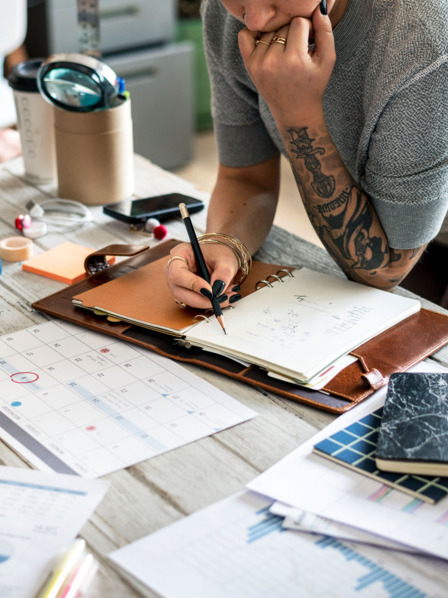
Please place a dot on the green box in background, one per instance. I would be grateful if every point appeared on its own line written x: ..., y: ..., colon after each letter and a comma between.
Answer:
x: 191, y: 29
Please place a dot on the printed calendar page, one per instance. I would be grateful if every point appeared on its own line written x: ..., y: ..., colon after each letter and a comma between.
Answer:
x: 75, y: 401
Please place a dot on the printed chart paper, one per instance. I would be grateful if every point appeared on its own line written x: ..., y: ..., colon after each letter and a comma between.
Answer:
x: 40, y: 516
x: 313, y: 483
x: 75, y: 401
x: 236, y: 548
x: 304, y: 521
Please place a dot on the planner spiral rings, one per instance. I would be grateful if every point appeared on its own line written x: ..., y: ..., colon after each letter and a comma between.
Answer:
x: 277, y: 276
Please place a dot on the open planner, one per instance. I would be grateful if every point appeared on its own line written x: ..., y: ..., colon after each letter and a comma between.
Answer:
x: 296, y: 324
x: 293, y: 323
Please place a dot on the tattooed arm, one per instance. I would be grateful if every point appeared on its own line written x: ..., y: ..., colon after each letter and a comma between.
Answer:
x: 292, y: 78
x: 340, y: 211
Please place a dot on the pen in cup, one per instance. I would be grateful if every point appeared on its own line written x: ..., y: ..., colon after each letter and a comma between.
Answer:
x: 200, y: 262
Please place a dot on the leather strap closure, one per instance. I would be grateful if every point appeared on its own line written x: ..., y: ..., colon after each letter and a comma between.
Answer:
x: 371, y: 377
x: 374, y: 379
x: 97, y: 261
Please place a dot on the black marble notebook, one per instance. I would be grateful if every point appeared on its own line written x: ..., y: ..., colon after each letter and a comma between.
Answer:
x: 413, y: 435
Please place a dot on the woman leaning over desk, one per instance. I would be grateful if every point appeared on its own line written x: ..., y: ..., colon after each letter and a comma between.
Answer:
x: 356, y: 95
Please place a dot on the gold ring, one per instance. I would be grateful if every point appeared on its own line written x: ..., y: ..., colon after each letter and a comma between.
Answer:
x: 279, y: 40
x: 260, y: 41
x: 176, y: 257
x: 180, y: 303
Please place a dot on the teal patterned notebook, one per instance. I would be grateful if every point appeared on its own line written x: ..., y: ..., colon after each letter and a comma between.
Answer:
x: 355, y: 447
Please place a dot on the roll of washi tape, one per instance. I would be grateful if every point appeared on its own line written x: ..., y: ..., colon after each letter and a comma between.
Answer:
x: 16, y: 249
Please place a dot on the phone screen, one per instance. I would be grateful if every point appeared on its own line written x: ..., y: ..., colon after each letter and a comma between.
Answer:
x: 161, y: 207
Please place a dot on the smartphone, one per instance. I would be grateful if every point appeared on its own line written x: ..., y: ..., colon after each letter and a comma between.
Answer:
x: 162, y: 207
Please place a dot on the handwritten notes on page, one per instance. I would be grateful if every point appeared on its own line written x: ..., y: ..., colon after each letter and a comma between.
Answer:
x: 75, y: 401
x: 40, y: 515
x: 304, y: 322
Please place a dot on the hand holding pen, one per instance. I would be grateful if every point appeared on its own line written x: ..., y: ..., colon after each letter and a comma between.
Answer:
x: 202, y: 267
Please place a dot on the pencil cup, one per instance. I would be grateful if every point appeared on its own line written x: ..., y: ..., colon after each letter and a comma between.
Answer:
x: 94, y: 154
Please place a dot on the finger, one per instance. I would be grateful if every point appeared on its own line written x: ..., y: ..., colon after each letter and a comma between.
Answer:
x: 181, y: 256
x: 180, y: 275
x: 300, y: 33
x: 246, y: 41
x: 224, y: 272
x: 256, y: 41
x: 323, y: 35
x: 186, y: 287
x: 279, y: 38
x: 191, y: 299
x: 180, y: 270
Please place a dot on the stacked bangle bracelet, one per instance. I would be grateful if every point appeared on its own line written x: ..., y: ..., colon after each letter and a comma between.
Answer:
x: 239, y: 249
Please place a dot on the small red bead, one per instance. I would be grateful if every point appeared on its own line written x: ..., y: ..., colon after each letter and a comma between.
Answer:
x: 160, y: 232
x: 22, y: 221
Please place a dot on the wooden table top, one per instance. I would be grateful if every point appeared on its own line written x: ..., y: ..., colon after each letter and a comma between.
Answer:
x: 152, y: 494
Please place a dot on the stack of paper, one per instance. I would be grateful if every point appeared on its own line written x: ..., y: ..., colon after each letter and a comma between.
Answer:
x: 248, y: 545
x: 308, y: 483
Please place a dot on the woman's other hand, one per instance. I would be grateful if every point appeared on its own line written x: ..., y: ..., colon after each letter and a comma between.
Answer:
x: 289, y: 73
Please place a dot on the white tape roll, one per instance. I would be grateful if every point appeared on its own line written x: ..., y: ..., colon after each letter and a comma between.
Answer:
x: 16, y: 249
x: 36, y: 229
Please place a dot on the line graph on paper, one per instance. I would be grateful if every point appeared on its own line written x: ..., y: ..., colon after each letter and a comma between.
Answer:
x: 75, y: 401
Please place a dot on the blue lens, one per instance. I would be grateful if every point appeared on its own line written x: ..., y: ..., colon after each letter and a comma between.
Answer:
x: 73, y: 88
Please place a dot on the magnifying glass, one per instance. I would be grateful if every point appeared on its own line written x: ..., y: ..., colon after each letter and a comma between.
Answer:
x: 77, y: 82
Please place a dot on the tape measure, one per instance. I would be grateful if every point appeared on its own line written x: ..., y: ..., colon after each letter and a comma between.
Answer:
x: 89, y: 27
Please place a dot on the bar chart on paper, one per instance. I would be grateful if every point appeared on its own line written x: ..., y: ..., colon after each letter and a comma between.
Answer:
x: 237, y: 548
x: 78, y: 402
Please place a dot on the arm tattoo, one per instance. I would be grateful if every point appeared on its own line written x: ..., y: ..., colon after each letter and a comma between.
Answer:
x: 345, y: 222
x: 302, y: 146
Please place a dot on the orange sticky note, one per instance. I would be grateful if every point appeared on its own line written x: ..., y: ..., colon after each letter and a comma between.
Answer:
x: 64, y: 262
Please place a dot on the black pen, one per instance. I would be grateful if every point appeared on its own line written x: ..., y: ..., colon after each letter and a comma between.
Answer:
x: 200, y: 262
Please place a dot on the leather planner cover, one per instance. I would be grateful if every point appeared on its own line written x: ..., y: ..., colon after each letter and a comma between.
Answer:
x: 395, y: 350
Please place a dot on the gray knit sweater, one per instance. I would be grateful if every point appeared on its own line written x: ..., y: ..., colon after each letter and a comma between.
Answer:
x: 386, y: 107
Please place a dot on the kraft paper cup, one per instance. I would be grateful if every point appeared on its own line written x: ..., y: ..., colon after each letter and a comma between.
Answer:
x: 94, y: 154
